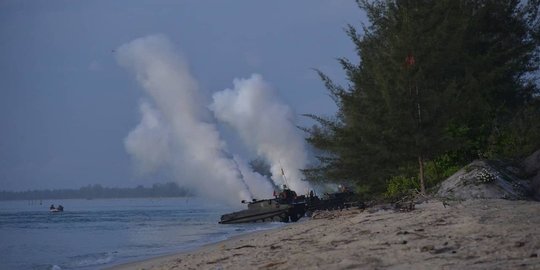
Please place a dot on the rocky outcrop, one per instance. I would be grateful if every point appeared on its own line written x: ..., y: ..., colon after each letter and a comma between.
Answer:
x: 531, y: 165
x: 535, y: 186
x: 484, y: 180
x: 531, y: 169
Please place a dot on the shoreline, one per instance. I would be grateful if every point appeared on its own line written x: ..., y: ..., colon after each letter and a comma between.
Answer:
x: 476, y: 234
x: 150, y: 263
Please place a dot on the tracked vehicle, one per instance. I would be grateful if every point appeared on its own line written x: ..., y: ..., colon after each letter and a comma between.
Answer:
x: 268, y: 210
x: 287, y: 207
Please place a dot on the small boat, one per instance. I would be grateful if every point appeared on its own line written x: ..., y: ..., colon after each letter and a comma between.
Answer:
x: 53, y: 209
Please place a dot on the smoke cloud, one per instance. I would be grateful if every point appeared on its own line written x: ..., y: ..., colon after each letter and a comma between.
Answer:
x: 266, y: 126
x: 149, y: 141
x: 176, y: 129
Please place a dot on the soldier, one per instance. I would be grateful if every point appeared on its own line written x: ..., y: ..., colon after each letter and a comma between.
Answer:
x: 287, y: 194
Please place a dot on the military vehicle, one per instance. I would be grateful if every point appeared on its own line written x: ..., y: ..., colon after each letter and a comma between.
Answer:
x: 288, y: 207
x: 268, y: 210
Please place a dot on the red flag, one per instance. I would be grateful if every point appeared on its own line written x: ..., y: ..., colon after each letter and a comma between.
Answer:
x: 409, y: 60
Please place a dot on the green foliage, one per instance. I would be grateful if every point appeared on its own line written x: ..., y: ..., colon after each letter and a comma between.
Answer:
x: 441, y: 82
x: 440, y: 168
x: 401, y: 185
x: 363, y: 191
x: 436, y: 171
x: 517, y: 139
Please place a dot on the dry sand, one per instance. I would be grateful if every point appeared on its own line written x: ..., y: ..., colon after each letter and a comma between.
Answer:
x: 478, y: 234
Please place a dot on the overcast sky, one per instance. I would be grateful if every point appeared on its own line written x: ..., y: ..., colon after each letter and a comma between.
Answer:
x: 66, y: 106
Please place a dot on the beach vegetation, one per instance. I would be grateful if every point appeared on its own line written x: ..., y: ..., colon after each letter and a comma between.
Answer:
x: 400, y: 185
x: 437, y: 84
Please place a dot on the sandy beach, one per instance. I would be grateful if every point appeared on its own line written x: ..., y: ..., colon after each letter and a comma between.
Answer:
x: 477, y: 234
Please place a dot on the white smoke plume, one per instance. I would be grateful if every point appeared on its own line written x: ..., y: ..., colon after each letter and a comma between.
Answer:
x: 177, y: 130
x: 259, y: 185
x: 149, y: 141
x: 266, y: 126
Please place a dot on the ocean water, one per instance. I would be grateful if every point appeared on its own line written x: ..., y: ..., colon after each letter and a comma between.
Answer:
x: 94, y: 234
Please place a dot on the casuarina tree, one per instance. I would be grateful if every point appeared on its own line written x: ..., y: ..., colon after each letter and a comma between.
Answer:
x: 433, y: 77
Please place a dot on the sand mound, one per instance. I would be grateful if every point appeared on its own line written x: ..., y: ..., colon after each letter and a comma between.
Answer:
x: 531, y: 168
x: 531, y: 165
x: 484, y: 180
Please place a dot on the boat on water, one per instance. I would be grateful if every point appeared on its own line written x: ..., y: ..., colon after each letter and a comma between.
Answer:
x: 53, y: 209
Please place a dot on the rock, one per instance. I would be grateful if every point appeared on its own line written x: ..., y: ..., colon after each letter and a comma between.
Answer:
x: 531, y: 171
x: 535, y: 186
x: 427, y: 248
x: 483, y: 180
x: 531, y: 165
x: 405, y: 206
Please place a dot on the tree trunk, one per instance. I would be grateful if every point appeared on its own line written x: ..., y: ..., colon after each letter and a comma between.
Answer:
x: 420, y: 158
x: 422, y: 185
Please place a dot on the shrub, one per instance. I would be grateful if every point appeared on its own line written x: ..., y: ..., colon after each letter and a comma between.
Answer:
x: 439, y: 169
x: 401, y: 185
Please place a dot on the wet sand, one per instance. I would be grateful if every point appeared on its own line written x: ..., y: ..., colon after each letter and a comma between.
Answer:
x: 478, y: 234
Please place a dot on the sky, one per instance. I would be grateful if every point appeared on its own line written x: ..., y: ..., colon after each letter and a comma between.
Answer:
x: 68, y: 103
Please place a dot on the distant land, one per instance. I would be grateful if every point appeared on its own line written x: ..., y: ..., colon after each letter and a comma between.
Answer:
x: 99, y: 192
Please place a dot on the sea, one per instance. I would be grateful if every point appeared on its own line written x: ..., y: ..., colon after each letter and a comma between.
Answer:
x: 98, y: 233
